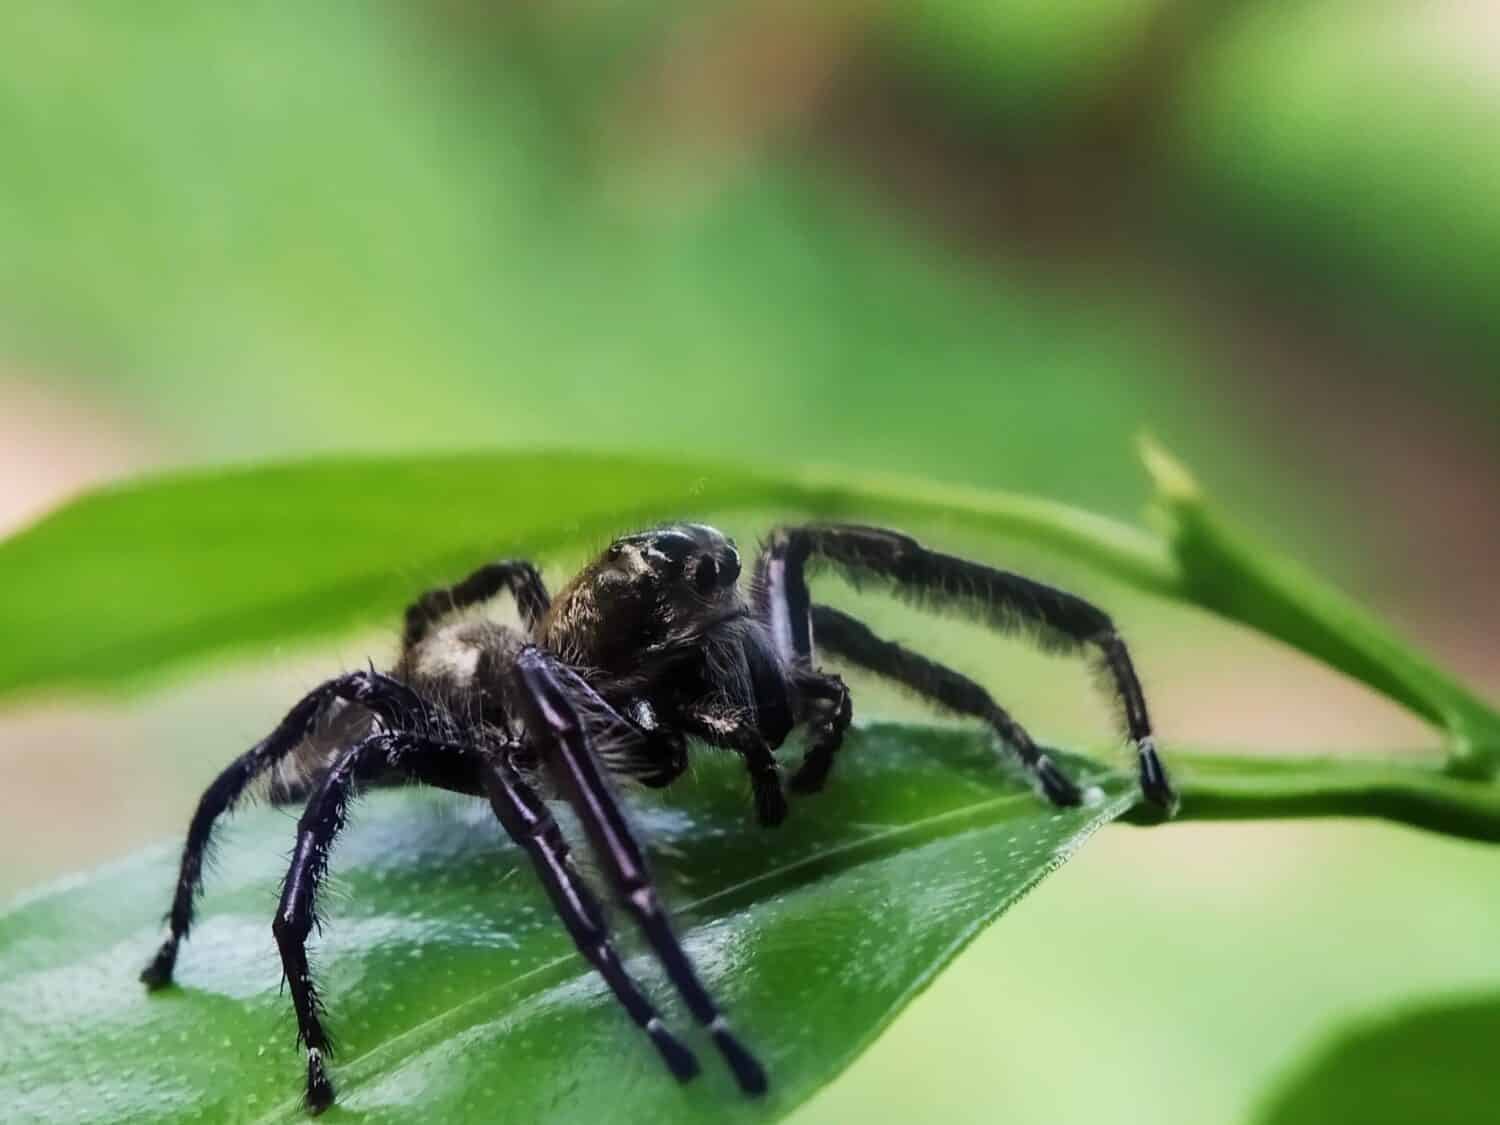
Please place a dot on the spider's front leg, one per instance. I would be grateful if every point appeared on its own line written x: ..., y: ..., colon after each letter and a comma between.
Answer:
x: 827, y: 709
x: 1005, y: 601
x: 545, y: 691
x: 856, y: 642
x: 525, y: 818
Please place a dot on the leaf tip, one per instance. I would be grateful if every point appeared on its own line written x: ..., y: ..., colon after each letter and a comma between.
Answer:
x: 1174, y: 482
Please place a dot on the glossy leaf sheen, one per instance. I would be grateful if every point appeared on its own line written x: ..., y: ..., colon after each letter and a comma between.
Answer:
x: 453, y: 992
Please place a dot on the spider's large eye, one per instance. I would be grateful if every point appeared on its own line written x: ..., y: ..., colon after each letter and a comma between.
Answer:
x: 672, y: 547
x: 707, y: 575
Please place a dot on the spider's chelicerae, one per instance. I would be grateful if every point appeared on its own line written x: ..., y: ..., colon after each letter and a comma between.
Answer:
x: 653, y: 644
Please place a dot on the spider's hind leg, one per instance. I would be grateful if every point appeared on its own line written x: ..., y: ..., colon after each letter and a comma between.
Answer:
x: 526, y: 819
x: 520, y: 577
x: 381, y: 694
x: 317, y: 829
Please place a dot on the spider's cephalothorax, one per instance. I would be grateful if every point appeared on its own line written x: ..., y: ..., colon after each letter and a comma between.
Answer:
x: 651, y: 645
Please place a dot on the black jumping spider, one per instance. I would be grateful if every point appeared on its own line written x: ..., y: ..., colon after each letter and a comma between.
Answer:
x: 652, y: 644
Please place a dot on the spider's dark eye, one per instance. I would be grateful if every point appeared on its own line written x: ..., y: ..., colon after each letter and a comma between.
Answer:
x: 673, y: 546
x: 731, y: 564
x: 707, y: 575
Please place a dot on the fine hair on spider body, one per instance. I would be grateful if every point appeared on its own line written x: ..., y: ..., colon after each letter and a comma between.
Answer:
x: 655, y: 643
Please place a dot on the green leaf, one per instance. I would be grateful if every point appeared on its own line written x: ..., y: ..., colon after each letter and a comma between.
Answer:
x: 132, y: 580
x: 135, y: 579
x: 1434, y: 1064
x: 1221, y: 568
x: 456, y: 996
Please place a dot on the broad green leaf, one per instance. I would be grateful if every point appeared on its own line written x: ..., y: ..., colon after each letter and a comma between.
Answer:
x: 157, y: 572
x: 455, y: 996
x: 1434, y: 1064
x: 131, y: 580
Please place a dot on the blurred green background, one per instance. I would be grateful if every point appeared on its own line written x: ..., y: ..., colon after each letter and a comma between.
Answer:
x: 976, y: 242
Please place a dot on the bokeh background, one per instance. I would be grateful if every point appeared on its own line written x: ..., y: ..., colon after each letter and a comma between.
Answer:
x: 982, y: 243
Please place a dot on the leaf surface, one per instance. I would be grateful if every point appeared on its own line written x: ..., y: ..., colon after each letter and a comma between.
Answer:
x: 455, y: 995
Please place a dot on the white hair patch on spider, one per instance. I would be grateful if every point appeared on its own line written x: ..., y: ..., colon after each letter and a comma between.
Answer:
x: 449, y: 654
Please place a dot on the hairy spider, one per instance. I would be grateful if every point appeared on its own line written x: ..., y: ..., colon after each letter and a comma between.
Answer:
x: 652, y: 644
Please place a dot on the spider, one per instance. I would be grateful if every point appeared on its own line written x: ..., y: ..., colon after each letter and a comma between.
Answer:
x: 654, y: 643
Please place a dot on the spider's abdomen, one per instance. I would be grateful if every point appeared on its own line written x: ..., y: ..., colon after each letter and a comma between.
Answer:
x: 458, y: 667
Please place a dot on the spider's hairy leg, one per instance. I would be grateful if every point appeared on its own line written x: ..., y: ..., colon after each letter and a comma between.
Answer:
x: 783, y: 603
x: 830, y: 711
x: 320, y: 824
x: 545, y: 690
x: 998, y: 598
x: 850, y: 638
x: 526, y: 819
x: 381, y: 694
x: 518, y: 576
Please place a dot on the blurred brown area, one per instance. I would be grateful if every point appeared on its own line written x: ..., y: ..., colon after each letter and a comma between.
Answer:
x: 54, y: 443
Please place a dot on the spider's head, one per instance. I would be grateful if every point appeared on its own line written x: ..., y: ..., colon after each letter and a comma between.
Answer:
x: 658, y: 591
x: 687, y: 559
